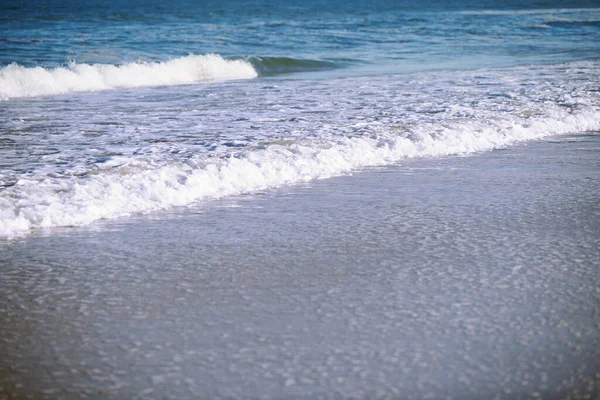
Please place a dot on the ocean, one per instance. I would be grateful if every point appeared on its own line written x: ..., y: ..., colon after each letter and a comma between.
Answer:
x: 125, y: 108
x: 299, y: 199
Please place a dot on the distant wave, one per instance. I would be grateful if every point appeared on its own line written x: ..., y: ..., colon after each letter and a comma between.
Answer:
x: 267, y: 66
x: 73, y: 201
x: 18, y: 81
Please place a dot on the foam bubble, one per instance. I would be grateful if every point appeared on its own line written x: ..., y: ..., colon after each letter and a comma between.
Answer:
x: 68, y: 201
x: 18, y: 81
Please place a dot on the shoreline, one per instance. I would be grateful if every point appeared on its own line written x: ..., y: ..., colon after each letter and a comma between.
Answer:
x: 464, y: 277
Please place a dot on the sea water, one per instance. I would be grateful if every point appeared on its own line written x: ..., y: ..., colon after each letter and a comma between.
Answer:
x: 299, y: 199
x: 110, y: 109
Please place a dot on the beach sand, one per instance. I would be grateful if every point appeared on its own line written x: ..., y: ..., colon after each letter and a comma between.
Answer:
x: 459, y: 277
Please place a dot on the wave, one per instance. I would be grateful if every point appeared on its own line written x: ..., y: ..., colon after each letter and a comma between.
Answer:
x: 74, y: 201
x: 18, y: 81
x: 267, y: 66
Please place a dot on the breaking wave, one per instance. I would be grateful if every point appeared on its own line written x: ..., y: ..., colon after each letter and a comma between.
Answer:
x: 73, y: 201
x: 267, y: 66
x: 19, y: 81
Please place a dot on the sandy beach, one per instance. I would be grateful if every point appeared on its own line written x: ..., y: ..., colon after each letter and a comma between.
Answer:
x: 459, y: 277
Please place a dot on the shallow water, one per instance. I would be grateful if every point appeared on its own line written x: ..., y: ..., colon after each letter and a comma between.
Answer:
x: 77, y: 158
x: 456, y: 277
x: 112, y: 109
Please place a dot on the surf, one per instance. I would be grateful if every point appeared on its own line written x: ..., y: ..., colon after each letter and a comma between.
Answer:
x: 17, y: 81
x: 137, y: 188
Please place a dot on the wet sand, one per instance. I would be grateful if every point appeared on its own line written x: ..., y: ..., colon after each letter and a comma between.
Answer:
x: 462, y: 277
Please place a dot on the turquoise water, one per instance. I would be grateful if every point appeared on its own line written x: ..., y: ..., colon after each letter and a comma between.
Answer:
x: 109, y: 109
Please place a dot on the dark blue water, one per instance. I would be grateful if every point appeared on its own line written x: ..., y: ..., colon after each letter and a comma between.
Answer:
x: 390, y: 35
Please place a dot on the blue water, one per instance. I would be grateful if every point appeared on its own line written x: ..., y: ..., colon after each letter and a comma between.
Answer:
x: 109, y: 109
x: 397, y: 35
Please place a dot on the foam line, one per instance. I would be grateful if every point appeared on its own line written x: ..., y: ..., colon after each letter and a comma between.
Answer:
x: 18, y: 81
x: 69, y: 201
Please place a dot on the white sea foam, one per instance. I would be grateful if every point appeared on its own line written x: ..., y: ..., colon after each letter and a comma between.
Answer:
x: 70, y: 201
x: 19, y: 81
